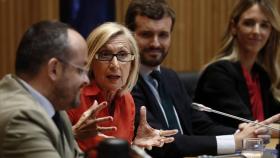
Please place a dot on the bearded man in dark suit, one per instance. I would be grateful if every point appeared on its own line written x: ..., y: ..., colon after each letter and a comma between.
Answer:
x: 160, y: 90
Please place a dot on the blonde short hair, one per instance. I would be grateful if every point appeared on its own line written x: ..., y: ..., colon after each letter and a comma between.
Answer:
x: 100, y: 36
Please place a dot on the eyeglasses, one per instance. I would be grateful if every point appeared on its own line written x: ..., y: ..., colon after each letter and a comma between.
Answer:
x: 81, y: 70
x: 123, y: 57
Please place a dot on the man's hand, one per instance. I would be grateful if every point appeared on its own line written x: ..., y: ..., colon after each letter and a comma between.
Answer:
x: 273, y: 121
x: 87, y: 125
x: 147, y: 137
x: 250, y: 130
x: 245, y: 131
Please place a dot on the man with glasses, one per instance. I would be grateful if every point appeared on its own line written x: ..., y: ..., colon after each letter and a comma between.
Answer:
x: 51, y: 68
x: 79, y: 69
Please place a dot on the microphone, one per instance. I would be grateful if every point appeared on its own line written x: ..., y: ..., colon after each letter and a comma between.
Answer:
x: 201, y: 107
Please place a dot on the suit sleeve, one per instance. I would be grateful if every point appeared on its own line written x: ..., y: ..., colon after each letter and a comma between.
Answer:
x: 139, y: 100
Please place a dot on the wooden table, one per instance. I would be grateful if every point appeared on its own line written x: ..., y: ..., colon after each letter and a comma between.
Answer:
x: 273, y: 143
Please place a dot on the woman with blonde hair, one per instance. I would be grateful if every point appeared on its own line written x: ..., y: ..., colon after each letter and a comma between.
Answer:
x: 113, y: 68
x: 244, y: 79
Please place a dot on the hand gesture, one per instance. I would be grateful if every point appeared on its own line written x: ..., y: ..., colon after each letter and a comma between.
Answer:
x: 87, y: 125
x: 147, y: 137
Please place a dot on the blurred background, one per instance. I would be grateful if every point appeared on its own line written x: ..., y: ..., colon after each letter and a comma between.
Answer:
x: 195, y: 39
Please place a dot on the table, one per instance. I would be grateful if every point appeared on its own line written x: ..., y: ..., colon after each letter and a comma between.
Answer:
x: 273, y: 143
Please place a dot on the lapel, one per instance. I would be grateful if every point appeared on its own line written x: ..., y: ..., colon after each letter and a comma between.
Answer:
x: 67, y: 148
x: 264, y: 84
x: 70, y: 147
x: 241, y: 84
x: 151, y: 102
x: 66, y: 130
x: 181, y: 102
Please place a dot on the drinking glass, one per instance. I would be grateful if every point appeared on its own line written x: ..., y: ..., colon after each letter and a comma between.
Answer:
x: 253, y: 147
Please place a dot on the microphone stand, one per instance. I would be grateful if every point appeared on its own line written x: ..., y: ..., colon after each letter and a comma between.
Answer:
x: 201, y: 107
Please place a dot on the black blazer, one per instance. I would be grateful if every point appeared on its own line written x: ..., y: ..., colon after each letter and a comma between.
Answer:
x: 222, y: 86
x: 194, y: 123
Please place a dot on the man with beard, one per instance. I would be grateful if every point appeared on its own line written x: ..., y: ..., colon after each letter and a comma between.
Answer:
x: 160, y: 90
x: 50, y: 70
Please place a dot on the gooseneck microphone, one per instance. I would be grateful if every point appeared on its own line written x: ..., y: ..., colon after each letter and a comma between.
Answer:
x: 201, y: 107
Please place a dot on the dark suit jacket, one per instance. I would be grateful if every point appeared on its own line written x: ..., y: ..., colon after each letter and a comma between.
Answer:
x: 222, y: 86
x: 194, y: 123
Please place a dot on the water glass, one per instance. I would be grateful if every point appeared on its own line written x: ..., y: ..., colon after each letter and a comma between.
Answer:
x: 253, y: 147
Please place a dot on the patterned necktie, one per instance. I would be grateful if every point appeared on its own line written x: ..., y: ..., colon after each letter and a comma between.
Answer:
x: 165, y: 101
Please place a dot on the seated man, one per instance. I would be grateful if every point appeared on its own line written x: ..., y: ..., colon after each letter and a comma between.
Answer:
x: 50, y: 70
x: 161, y: 91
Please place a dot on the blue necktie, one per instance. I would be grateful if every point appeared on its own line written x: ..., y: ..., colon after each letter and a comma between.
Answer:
x: 166, y: 101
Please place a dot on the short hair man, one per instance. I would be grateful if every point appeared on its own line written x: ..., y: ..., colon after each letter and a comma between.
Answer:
x: 50, y: 70
x: 152, y: 22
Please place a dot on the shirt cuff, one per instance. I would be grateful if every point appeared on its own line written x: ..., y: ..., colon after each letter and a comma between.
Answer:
x: 225, y: 144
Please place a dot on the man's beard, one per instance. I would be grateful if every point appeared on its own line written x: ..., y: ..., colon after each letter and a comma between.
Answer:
x: 152, y: 62
x: 76, y: 102
x: 62, y: 95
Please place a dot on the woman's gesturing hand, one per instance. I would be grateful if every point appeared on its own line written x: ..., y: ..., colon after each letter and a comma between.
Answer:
x: 87, y: 125
x: 147, y: 137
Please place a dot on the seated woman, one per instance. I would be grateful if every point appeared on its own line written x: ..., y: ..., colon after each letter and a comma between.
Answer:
x: 244, y: 79
x: 113, y: 69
